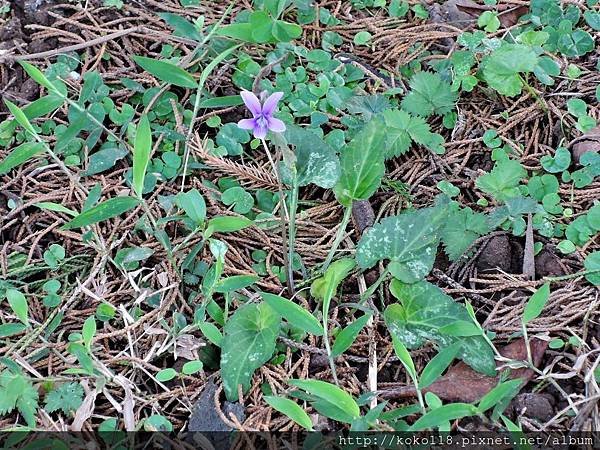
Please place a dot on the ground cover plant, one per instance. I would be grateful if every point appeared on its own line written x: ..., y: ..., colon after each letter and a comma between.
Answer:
x: 290, y: 214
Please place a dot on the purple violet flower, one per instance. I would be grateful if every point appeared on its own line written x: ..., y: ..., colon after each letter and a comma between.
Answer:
x: 262, y: 115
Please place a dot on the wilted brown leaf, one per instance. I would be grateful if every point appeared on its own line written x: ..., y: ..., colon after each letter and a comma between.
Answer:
x: 588, y: 142
x: 463, y: 384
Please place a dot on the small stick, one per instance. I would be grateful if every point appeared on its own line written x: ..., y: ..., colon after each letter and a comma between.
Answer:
x: 71, y: 48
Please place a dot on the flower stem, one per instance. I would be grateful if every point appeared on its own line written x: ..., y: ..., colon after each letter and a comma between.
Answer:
x: 284, y: 215
x: 338, y: 237
x: 292, y: 232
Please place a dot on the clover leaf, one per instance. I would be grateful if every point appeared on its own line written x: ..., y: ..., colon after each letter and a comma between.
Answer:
x: 241, y: 200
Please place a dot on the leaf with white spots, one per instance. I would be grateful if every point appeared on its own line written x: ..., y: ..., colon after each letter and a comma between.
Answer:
x: 248, y: 343
x: 422, y: 313
x: 409, y: 241
x: 316, y: 161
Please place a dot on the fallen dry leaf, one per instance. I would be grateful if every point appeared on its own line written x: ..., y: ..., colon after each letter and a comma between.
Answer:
x: 588, y: 142
x: 463, y: 13
x: 463, y: 384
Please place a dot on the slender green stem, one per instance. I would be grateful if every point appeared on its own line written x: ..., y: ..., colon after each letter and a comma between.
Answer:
x: 338, y: 237
x: 292, y: 232
x: 572, y: 275
x: 534, y: 94
x: 371, y: 289
x: 326, y: 303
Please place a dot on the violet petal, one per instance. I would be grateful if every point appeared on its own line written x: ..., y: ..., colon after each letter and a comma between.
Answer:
x: 276, y: 125
x: 251, y: 102
x: 271, y: 103
x: 247, y: 124
x: 261, y: 129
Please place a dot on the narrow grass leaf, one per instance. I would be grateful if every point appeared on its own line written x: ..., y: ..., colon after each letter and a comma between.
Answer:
x: 438, y: 364
x: 19, y: 155
x: 51, y: 206
x: 330, y: 393
x: 404, y: 356
x: 18, y: 304
x: 226, y: 224
x: 141, y: 154
x: 10, y: 329
x: 88, y: 331
x: 106, y: 210
x: 294, y: 314
x: 37, y: 76
x: 498, y: 393
x: 222, y: 102
x: 536, y: 303
x: 167, y: 72
x: 20, y: 116
x: 290, y: 409
x: 443, y: 414
x: 348, y: 335
x: 215, y: 62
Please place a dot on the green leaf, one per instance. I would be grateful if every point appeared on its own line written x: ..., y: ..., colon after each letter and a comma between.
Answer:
x: 536, y: 303
x: 428, y: 95
x: 20, y: 117
x: 403, y: 129
x: 167, y: 72
x: 129, y: 258
x: 192, y: 367
x: 248, y: 343
x: 330, y: 393
x: 18, y: 304
x: 88, y: 331
x: 442, y: 415
x: 362, y: 38
x: 422, y: 311
x: 37, y: 76
x: 293, y: 313
x: 141, y: 154
x: 19, y: 155
x: 211, y: 332
x: 166, y: 375
x: 10, y: 329
x: 16, y: 391
x: 181, y: 26
x: 348, y: 335
x: 462, y: 228
x: 222, y: 102
x: 502, y: 68
x: 226, y: 224
x: 235, y: 283
x: 324, y: 288
x: 193, y: 204
x: 592, y: 265
x: 105, y: 210
x: 489, y: 21
x: 404, y: 356
x: 241, y: 199
x: 557, y: 163
x: 503, y: 180
x: 409, y: 241
x: 290, y: 409
x: 104, y: 159
x: 499, y: 393
x: 316, y: 161
x: 68, y: 397
x: 362, y: 164
x: 438, y: 364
